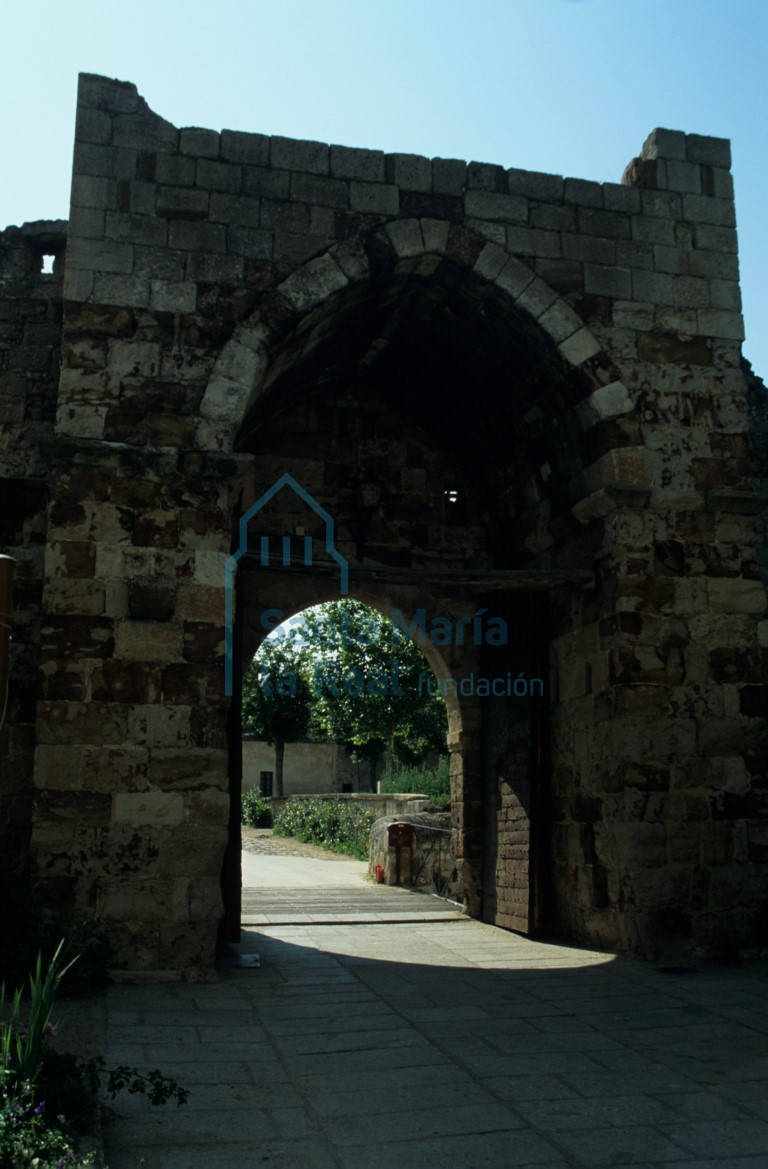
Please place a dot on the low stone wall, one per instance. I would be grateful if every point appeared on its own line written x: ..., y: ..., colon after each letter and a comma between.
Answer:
x: 392, y: 804
x: 427, y: 863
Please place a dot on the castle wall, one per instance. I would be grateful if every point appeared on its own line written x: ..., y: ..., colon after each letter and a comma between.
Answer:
x: 574, y: 348
x: 30, y: 338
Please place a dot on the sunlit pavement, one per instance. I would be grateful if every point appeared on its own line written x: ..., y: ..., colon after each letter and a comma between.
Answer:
x: 444, y: 1043
x: 280, y: 890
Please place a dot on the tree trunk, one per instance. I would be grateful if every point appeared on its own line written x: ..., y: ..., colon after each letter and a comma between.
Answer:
x: 372, y: 774
x: 279, y: 753
x: 390, y: 754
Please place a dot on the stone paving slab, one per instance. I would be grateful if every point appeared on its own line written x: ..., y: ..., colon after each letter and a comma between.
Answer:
x: 434, y: 1043
x: 360, y: 1047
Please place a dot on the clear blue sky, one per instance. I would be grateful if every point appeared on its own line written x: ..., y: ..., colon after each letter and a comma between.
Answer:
x: 571, y: 87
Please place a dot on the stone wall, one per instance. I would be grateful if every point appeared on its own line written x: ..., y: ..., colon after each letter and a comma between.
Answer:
x: 30, y: 337
x: 562, y: 355
x: 307, y: 768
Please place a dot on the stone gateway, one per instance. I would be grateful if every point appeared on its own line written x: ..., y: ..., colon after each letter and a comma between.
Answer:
x: 512, y: 392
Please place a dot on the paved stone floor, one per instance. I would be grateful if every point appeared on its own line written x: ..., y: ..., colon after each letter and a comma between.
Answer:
x: 299, y: 890
x: 444, y: 1043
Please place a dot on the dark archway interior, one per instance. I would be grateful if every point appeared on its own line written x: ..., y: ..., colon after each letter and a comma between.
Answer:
x: 458, y: 411
x: 452, y: 359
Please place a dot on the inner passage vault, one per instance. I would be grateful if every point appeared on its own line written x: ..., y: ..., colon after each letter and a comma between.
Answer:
x: 510, y: 393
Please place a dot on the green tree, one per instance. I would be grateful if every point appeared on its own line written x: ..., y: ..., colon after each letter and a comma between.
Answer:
x: 369, y: 684
x: 276, y: 698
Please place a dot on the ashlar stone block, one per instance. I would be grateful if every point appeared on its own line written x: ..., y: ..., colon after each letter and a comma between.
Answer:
x: 449, y: 176
x: 669, y: 144
x: 435, y: 235
x: 100, y: 256
x: 579, y: 347
x: 684, y: 176
x: 493, y: 205
x: 611, y: 400
x: 175, y: 170
x: 719, y: 323
x: 147, y: 641
x: 374, y: 198
x: 410, y: 172
x: 157, y: 725
x: 536, y: 297
x: 405, y: 237
x: 313, y: 283
x: 583, y: 193
x: 94, y: 191
x: 560, y: 321
x: 219, y: 176
x: 180, y: 203
x: 514, y: 277
x: 252, y: 149
x: 199, y: 142
x: 349, y: 163
x: 294, y: 154
x: 177, y: 296
x: 92, y: 125
x: 702, y: 209
x: 710, y: 151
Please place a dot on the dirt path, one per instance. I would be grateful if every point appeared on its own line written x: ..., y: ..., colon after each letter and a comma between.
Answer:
x: 263, y: 841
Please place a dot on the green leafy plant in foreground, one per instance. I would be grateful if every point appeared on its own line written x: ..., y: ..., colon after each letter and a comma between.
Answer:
x: 86, y: 939
x: 22, y: 1040
x: 46, y: 1096
x: 338, y: 825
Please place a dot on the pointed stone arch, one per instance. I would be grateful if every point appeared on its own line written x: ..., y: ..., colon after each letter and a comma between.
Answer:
x: 414, y: 248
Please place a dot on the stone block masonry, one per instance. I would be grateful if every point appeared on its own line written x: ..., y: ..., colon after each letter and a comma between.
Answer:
x: 228, y: 306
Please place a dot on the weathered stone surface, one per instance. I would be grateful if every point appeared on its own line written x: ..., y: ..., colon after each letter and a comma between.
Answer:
x: 347, y: 163
x: 424, y: 861
x: 237, y: 306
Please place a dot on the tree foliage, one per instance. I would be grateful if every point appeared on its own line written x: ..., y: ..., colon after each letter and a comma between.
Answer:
x: 369, y: 684
x: 276, y: 693
x: 346, y: 673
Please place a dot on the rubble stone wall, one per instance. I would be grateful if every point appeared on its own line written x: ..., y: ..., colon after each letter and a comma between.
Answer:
x: 568, y: 352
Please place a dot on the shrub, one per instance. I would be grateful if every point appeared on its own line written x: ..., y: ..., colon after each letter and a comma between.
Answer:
x: 47, y: 1097
x: 338, y: 825
x: 436, y: 785
x: 28, y: 1135
x: 256, y: 812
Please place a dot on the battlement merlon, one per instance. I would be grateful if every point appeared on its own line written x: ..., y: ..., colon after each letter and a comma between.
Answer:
x: 690, y: 164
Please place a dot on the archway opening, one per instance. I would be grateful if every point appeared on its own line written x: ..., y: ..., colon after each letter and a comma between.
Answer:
x: 442, y: 429
x: 344, y: 733
x: 343, y: 674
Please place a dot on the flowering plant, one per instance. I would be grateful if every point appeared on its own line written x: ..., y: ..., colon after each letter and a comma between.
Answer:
x: 28, y: 1136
